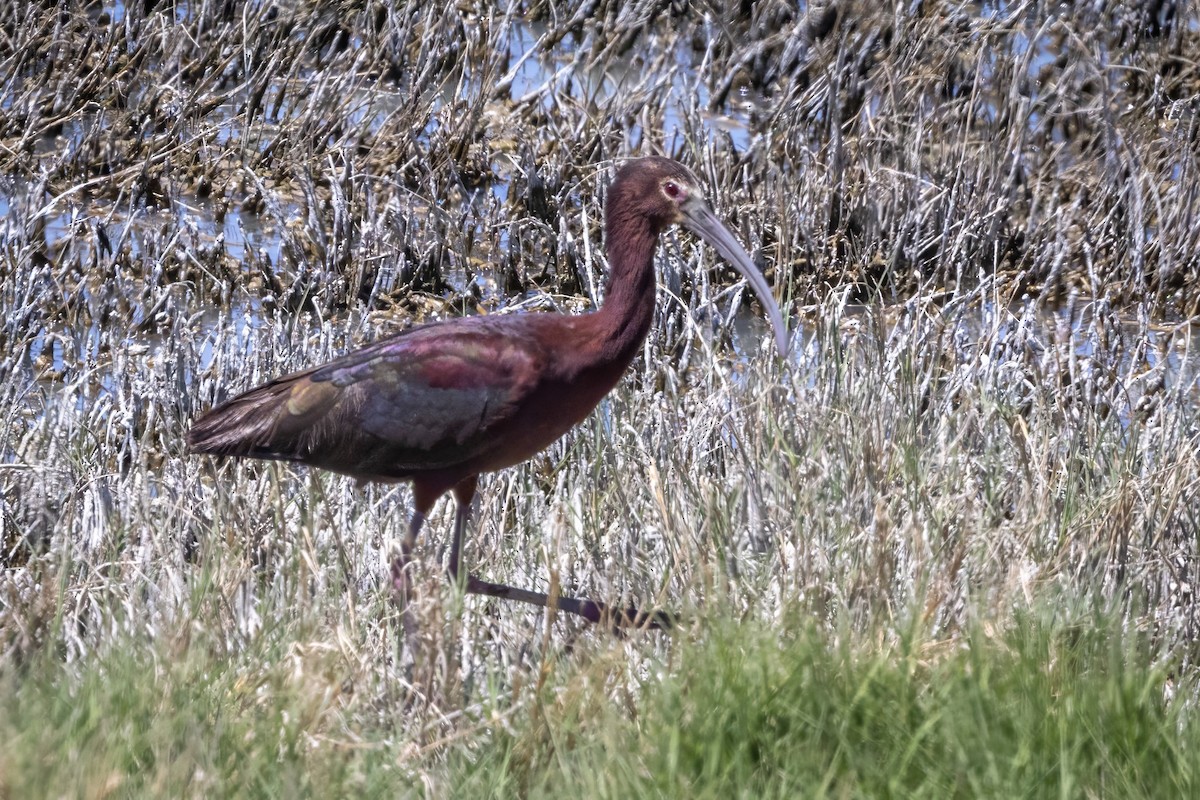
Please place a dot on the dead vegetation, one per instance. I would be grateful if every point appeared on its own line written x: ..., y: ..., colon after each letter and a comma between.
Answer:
x: 372, y: 149
x: 199, y: 197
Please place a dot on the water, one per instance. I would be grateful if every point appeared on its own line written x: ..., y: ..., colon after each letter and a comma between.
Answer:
x: 542, y: 74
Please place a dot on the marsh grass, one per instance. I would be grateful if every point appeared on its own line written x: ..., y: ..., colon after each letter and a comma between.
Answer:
x: 948, y: 549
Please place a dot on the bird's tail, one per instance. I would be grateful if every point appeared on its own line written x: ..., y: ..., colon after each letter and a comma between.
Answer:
x: 267, y: 422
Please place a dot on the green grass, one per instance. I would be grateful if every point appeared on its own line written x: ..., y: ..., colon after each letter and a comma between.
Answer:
x: 1051, y: 707
x: 948, y: 550
x: 176, y: 718
x: 1045, y: 710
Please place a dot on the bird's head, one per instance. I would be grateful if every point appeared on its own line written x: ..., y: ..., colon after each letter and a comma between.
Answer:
x: 664, y: 192
x: 654, y: 188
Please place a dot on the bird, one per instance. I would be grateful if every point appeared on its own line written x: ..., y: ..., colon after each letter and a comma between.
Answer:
x: 441, y: 403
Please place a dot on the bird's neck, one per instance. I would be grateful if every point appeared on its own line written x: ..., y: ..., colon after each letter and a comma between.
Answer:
x: 628, y: 310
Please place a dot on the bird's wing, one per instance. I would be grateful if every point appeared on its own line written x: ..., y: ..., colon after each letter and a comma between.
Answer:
x: 424, y: 399
x: 438, y: 386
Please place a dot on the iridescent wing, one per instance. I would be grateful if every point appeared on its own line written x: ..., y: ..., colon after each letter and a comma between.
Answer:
x: 424, y: 399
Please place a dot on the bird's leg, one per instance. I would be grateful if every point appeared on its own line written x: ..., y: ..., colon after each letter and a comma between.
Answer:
x: 400, y: 562
x: 423, y: 500
x: 400, y: 594
x: 464, y: 493
x: 591, y: 610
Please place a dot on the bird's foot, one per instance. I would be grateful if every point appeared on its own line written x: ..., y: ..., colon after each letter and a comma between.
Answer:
x: 620, y: 620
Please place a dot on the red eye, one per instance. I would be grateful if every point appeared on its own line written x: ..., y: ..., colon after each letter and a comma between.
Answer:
x: 672, y: 189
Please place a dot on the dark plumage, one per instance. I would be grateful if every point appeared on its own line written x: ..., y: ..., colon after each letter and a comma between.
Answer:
x: 443, y: 402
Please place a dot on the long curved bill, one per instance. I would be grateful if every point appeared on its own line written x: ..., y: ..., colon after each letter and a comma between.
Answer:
x: 700, y: 220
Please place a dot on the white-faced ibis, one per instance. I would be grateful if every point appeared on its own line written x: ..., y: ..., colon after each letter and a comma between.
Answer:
x: 440, y: 403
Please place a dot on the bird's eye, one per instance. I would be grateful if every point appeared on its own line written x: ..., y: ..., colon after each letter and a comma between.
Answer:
x: 672, y: 189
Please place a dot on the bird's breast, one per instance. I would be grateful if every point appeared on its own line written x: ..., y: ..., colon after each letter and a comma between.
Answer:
x: 555, y: 406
